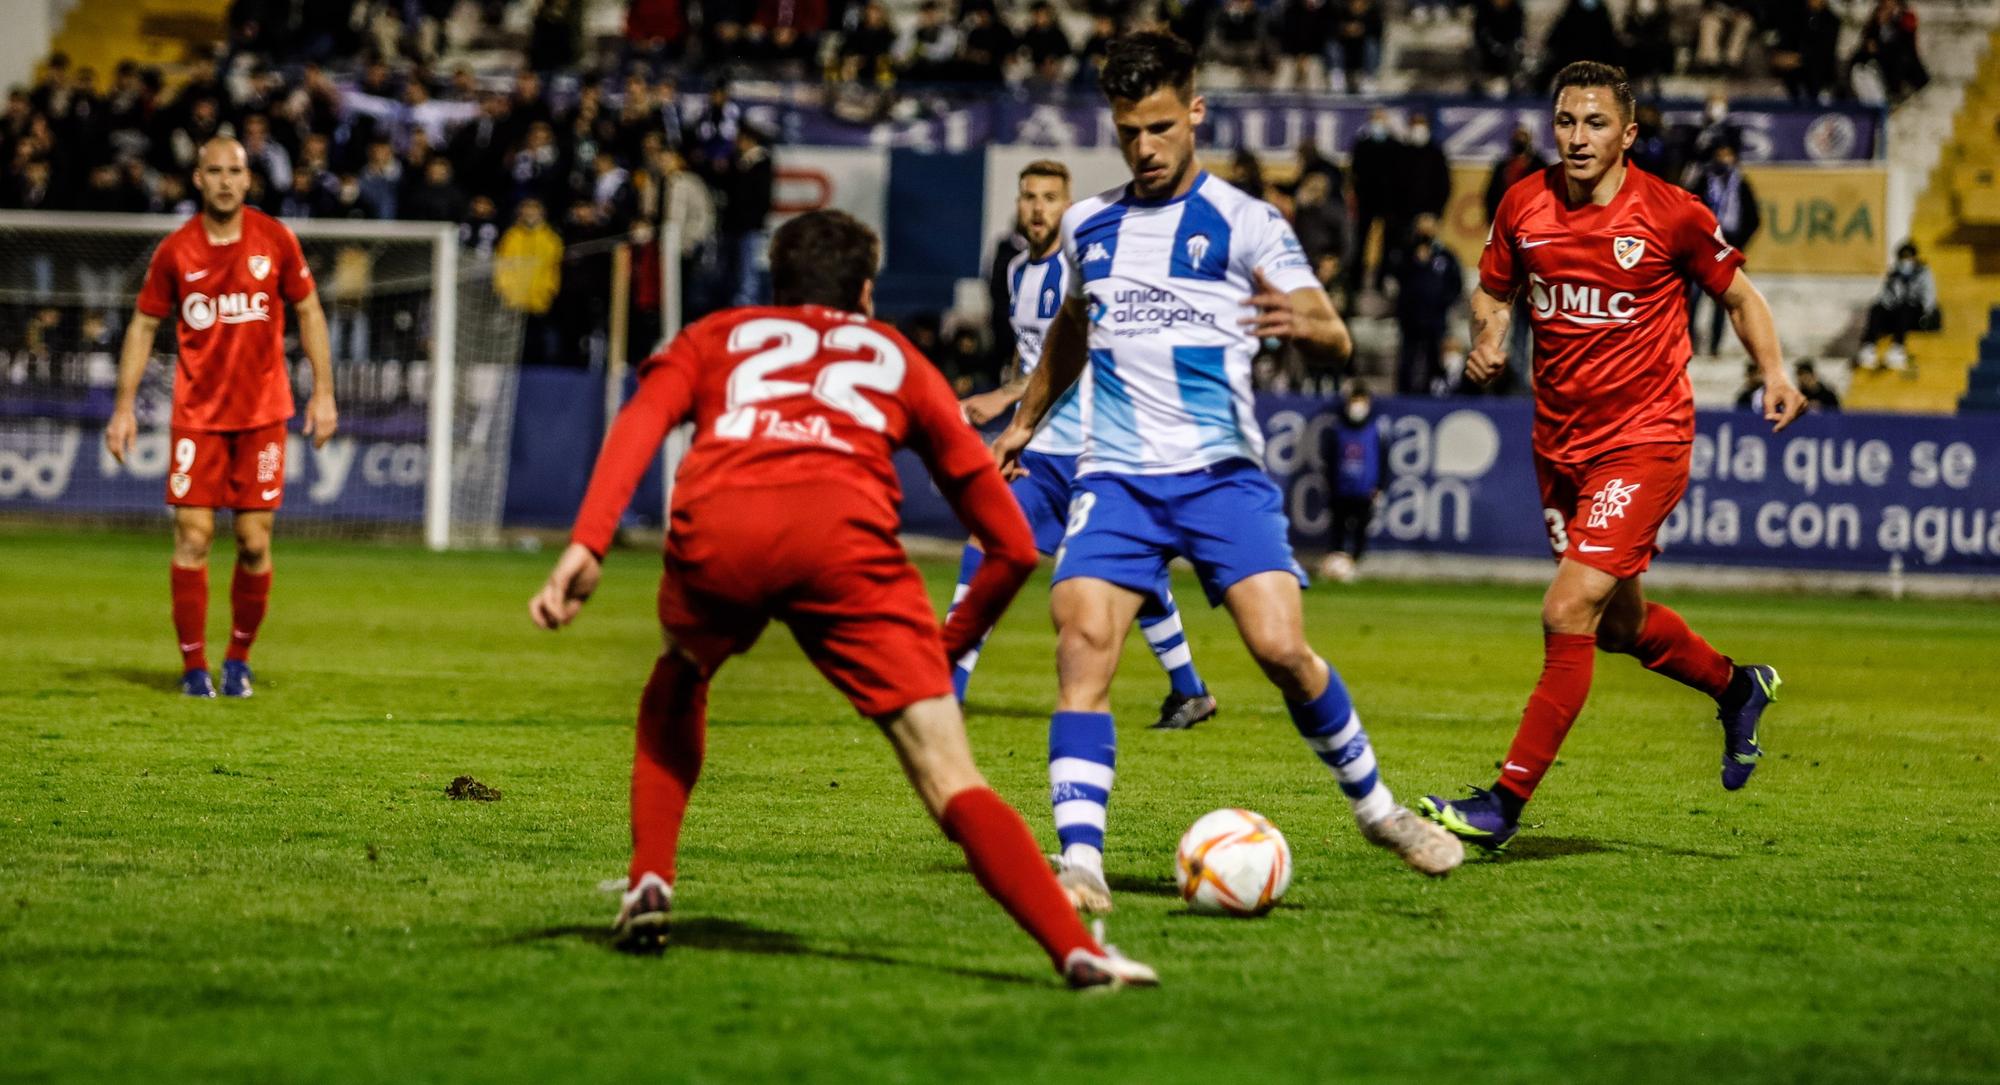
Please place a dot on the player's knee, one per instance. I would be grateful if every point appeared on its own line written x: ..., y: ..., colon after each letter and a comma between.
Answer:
x: 191, y: 542
x: 1567, y: 613
x: 252, y: 550
x: 1290, y: 665
x: 1087, y: 637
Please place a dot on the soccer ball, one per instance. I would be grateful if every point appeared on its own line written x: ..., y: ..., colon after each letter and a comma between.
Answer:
x: 1233, y: 862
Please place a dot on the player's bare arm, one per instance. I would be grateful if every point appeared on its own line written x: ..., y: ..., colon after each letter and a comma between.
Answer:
x: 1757, y: 329
x: 567, y: 589
x: 986, y: 406
x: 1305, y: 317
x: 1492, y: 315
x: 132, y: 359
x: 1063, y: 357
x: 322, y: 419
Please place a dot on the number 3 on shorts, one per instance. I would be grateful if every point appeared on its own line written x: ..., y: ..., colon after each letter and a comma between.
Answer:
x: 1079, y: 515
x: 1558, y: 531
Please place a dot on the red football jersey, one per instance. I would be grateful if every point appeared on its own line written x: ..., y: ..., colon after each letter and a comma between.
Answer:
x: 230, y: 301
x: 811, y: 396
x: 1607, y: 299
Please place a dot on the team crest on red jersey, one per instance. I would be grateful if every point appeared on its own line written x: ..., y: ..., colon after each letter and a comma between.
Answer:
x: 260, y: 266
x: 1627, y: 250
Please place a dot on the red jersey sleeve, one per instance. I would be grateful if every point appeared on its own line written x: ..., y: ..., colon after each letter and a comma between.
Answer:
x: 1699, y: 249
x: 156, y: 296
x: 965, y: 474
x: 295, y: 279
x: 664, y: 397
x: 1499, y: 265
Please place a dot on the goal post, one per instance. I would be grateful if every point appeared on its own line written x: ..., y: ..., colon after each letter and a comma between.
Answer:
x: 425, y: 373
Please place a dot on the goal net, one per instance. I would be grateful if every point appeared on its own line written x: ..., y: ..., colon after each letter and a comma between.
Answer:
x: 424, y: 371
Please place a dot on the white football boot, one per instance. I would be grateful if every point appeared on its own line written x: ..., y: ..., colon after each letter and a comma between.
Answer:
x: 1106, y: 971
x: 1085, y: 888
x: 1427, y: 847
x: 641, y: 926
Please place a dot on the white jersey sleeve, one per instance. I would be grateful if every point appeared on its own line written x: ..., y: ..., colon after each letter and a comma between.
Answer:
x: 1272, y: 248
x: 1036, y: 290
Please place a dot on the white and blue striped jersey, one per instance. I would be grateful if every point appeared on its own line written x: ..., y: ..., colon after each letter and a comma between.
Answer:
x: 1035, y: 293
x: 1166, y: 282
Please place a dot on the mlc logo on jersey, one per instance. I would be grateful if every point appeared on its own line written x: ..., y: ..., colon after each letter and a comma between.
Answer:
x: 260, y: 266
x: 1628, y: 250
x: 1586, y: 305
x: 201, y: 311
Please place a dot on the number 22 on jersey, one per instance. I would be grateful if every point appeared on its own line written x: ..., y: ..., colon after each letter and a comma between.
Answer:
x: 775, y: 344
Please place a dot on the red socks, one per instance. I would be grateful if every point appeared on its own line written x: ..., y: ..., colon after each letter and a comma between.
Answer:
x: 249, y: 597
x: 1667, y: 646
x: 1559, y: 695
x: 191, y: 616
x: 673, y: 732
x: 1004, y: 857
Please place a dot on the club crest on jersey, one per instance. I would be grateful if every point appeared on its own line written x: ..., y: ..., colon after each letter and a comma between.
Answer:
x: 260, y: 266
x: 179, y: 483
x: 1197, y: 249
x: 1628, y: 250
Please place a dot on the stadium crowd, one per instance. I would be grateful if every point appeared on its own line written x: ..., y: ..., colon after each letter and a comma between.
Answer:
x: 359, y: 117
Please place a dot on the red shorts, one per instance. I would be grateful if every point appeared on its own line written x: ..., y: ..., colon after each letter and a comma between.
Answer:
x: 824, y: 564
x: 230, y: 469
x: 1606, y: 512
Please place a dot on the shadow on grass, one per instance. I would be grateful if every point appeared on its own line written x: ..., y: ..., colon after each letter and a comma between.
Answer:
x: 1006, y: 712
x: 1533, y: 848
x: 1145, y: 887
x: 157, y: 679
x: 715, y: 933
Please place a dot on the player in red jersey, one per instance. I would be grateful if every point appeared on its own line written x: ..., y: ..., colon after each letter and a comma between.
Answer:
x: 1605, y: 252
x: 786, y: 507
x: 227, y: 274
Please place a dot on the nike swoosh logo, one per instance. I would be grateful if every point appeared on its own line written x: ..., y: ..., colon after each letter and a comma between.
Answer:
x: 193, y: 275
x: 190, y: 647
x: 269, y: 494
x: 1589, y: 549
x: 1536, y: 244
x: 1512, y: 767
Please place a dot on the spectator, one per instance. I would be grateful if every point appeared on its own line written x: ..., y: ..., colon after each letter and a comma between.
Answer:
x: 527, y: 273
x: 347, y: 201
x: 1236, y: 41
x: 1907, y: 302
x: 969, y: 365
x: 552, y: 37
x: 1655, y: 149
x: 1429, y: 282
x: 479, y: 149
x: 583, y: 303
x: 305, y: 199
x: 1649, y: 45
x: 1305, y: 30
x: 1807, y: 53
x: 528, y: 105
x: 1723, y: 35
x: 746, y: 205
x: 1357, y: 459
x: 611, y: 191
x: 1090, y: 59
x: 1728, y: 193
x: 437, y: 198
x: 1717, y: 131
x: 1426, y: 177
x: 1045, y: 43
x: 1499, y: 32
x: 786, y: 33
x: 382, y: 179
x: 985, y: 48
x: 865, y: 51
x: 1320, y: 218
x: 1357, y: 44
x: 715, y: 130
x: 535, y: 170
x: 1818, y: 396
x: 1584, y: 31
x: 1523, y: 160
x: 686, y: 205
x: 1373, y: 170
x: 927, y: 52
x: 266, y: 155
x: 1750, y: 395
x: 1246, y: 172
x: 656, y: 30
x: 479, y: 233
x: 1889, y: 48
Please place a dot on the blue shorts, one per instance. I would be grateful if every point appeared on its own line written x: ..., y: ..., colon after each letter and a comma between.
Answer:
x: 1044, y: 495
x: 1228, y: 520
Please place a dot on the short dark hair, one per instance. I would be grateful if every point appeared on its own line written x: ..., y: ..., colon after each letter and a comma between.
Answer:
x: 823, y: 258
x: 1136, y: 65
x: 1046, y: 167
x: 1590, y: 73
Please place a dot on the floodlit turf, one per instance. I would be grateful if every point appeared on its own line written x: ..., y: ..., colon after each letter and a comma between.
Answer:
x: 280, y: 889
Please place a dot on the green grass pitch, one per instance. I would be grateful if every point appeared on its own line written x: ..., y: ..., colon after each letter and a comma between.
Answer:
x: 279, y: 889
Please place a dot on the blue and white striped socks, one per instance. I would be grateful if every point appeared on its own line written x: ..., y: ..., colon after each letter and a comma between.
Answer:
x: 961, y: 668
x: 1083, y: 749
x: 1331, y: 727
x: 1160, y: 620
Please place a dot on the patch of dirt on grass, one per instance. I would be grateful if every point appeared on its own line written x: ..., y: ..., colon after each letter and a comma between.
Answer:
x: 465, y: 787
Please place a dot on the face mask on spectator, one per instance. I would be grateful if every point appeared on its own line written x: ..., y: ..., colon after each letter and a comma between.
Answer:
x: 1357, y: 411
x: 1716, y: 112
x: 1587, y: 5
x: 1378, y: 130
x: 1420, y: 134
x: 1906, y: 265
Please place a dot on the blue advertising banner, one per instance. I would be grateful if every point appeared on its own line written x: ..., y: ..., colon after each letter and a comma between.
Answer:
x: 1834, y: 491
x: 1277, y: 124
